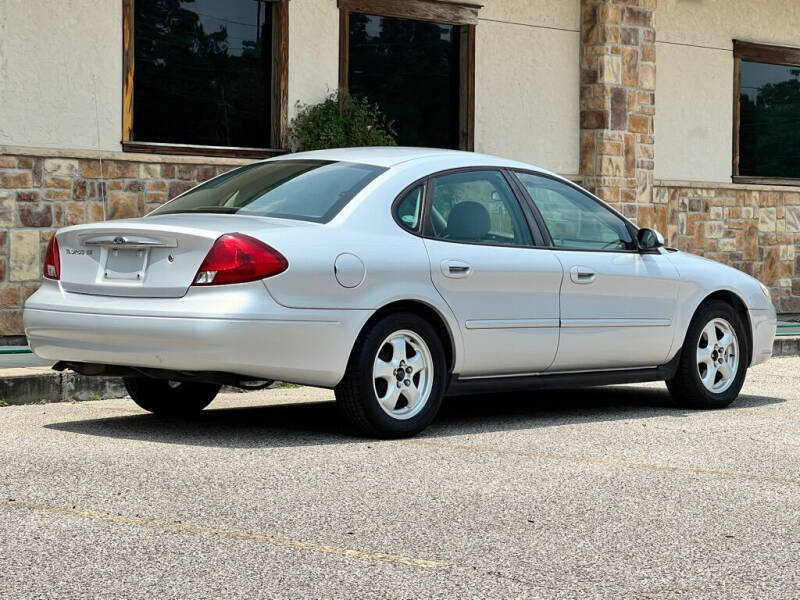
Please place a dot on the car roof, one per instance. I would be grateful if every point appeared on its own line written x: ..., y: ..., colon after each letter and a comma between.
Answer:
x: 391, y: 156
x: 379, y: 156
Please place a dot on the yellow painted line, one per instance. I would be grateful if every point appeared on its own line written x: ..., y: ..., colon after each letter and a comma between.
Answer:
x: 223, y: 533
x: 614, y: 462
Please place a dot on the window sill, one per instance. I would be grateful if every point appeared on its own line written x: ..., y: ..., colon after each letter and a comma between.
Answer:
x: 188, y: 149
x: 787, y: 181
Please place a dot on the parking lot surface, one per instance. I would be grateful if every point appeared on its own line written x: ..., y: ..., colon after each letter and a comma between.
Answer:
x: 603, y: 493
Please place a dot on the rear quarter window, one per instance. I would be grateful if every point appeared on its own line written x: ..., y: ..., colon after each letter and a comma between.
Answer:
x: 408, y: 209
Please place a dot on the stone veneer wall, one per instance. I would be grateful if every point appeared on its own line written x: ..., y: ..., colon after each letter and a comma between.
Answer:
x: 755, y: 229
x: 42, y: 191
x: 618, y: 102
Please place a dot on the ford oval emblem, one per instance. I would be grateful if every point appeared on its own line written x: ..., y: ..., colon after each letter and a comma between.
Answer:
x: 119, y: 240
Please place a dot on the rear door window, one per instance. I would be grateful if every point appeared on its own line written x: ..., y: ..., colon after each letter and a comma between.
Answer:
x: 477, y: 206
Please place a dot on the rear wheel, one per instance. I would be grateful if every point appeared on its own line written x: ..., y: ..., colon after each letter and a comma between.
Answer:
x: 713, y: 361
x: 170, y: 398
x: 395, y: 380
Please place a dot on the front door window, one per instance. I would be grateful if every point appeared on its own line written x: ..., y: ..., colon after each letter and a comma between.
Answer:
x: 574, y: 219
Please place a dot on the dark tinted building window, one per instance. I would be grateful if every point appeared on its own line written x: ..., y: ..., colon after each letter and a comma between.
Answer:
x: 202, y: 72
x: 769, y: 130
x: 411, y: 69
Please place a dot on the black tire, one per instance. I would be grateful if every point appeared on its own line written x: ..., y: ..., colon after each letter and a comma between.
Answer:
x: 687, y: 387
x: 173, y: 399
x: 356, y: 394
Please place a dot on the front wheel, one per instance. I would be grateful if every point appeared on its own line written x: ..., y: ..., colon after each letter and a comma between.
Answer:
x: 713, y: 361
x: 395, y: 379
x: 170, y: 398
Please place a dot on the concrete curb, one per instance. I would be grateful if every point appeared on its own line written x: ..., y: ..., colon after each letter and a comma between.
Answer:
x: 35, y: 385
x: 786, y: 346
x: 40, y: 385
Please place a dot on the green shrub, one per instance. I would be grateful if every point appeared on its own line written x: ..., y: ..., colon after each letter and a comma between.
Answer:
x: 340, y: 121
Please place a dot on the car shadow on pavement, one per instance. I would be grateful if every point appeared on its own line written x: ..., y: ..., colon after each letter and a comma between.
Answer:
x: 549, y: 408
x: 318, y: 423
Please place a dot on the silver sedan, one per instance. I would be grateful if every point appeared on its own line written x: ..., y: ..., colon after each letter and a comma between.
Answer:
x: 394, y: 276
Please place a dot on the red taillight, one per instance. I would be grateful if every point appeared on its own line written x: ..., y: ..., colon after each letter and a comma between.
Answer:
x: 238, y: 258
x: 52, y: 260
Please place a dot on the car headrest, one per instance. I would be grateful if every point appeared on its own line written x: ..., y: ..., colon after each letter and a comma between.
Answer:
x: 468, y: 221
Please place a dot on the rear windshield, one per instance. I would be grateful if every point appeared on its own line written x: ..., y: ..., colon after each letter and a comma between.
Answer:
x: 308, y: 190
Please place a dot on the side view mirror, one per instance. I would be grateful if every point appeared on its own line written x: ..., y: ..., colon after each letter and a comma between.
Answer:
x: 649, y: 239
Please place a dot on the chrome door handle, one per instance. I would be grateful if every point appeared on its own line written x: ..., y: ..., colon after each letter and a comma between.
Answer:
x: 582, y: 275
x: 455, y: 269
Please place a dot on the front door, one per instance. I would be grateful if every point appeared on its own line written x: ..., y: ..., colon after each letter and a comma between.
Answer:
x: 617, y: 305
x: 502, y: 290
x: 617, y: 310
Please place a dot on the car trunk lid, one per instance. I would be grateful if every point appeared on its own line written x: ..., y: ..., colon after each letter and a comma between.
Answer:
x: 153, y: 257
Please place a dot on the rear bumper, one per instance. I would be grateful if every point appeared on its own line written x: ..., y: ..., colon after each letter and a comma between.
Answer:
x: 764, y: 324
x: 235, y: 329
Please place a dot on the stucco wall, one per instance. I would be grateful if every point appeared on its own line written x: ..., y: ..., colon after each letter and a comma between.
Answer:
x: 526, y: 74
x: 61, y: 73
x: 714, y: 23
x: 527, y: 82
x: 694, y: 98
x: 63, y: 89
x: 694, y: 113
x: 313, y: 51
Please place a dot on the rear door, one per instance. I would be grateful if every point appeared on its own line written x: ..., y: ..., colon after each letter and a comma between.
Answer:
x: 484, y: 262
x: 617, y: 305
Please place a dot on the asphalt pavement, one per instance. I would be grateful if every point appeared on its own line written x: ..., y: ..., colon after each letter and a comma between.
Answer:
x: 604, y: 493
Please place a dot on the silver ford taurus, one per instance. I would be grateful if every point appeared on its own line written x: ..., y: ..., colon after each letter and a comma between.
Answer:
x: 394, y: 276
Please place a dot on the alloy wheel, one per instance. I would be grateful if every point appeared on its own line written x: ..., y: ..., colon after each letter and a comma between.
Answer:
x: 717, y: 355
x: 402, y: 374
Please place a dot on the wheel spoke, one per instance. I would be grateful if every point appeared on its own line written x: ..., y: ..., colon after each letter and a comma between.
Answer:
x: 711, y: 333
x: 726, y: 339
x: 412, y: 395
x: 383, y: 370
x: 417, y: 363
x: 725, y: 371
x: 398, y: 349
x: 389, y: 400
x: 704, y: 355
x: 710, y: 377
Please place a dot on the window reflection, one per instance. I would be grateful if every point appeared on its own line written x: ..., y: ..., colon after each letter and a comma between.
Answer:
x: 769, y: 130
x: 411, y: 69
x: 202, y: 72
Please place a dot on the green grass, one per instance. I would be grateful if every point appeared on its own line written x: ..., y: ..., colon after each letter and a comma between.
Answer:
x: 3, y: 403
